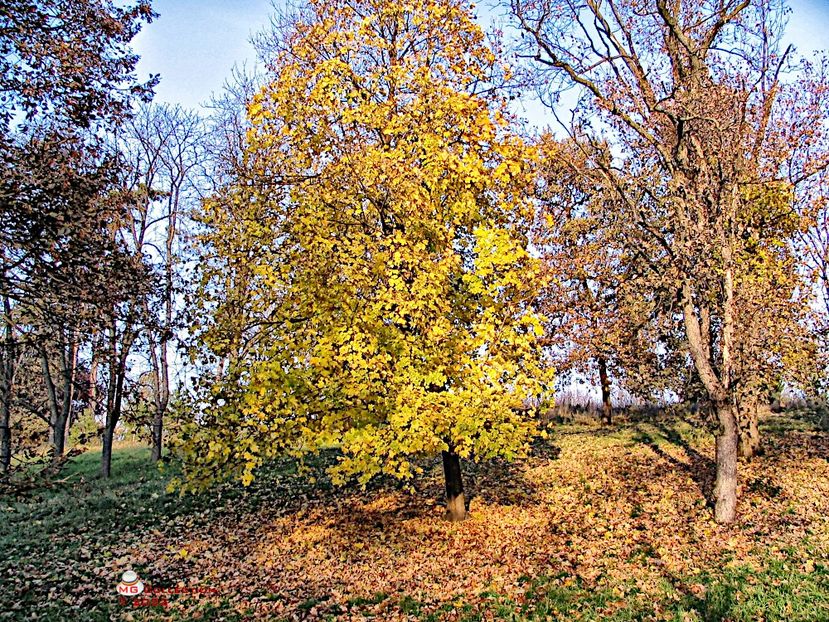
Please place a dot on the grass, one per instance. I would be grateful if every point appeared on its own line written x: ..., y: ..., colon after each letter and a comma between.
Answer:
x: 597, y: 524
x: 738, y: 594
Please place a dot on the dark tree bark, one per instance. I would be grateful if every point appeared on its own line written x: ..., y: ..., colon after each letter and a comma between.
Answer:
x: 60, y: 404
x: 455, y: 503
x: 5, y: 441
x: 604, y: 381
x: 117, y: 372
x: 106, y: 451
x: 57, y: 424
x: 8, y: 356
x: 157, y: 435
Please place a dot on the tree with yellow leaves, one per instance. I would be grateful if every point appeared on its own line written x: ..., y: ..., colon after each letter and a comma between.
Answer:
x: 368, y: 275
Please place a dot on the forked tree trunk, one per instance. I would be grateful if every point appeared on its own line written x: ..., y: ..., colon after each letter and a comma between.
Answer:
x: 112, y: 416
x: 115, y: 392
x: 748, y: 430
x: 57, y: 420
x: 721, y: 394
x: 725, y: 486
x: 455, y: 504
x: 604, y: 381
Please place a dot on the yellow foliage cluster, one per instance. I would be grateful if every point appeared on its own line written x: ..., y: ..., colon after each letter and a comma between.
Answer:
x: 377, y: 251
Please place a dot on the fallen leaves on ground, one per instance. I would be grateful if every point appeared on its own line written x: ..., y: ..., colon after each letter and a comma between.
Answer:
x: 619, y: 510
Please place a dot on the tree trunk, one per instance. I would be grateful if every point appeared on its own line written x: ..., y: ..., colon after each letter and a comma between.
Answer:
x: 60, y: 406
x: 115, y: 392
x: 721, y: 394
x: 604, y: 381
x: 6, y: 382
x: 455, y: 504
x: 748, y: 429
x: 8, y: 356
x: 161, y: 395
x: 158, y: 423
x: 94, y: 393
x: 725, y: 487
x: 106, y: 451
x: 5, y: 444
x: 57, y: 437
x: 57, y: 424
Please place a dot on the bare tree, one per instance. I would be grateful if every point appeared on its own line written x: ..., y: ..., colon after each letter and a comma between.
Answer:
x: 163, y: 146
x: 227, y: 126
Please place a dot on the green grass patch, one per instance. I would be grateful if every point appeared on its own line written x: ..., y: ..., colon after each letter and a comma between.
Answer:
x: 779, y: 592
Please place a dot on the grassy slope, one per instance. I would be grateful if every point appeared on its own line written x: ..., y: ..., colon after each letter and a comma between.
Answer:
x: 595, y: 525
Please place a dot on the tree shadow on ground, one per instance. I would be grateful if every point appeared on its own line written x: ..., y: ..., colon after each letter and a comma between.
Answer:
x: 810, y: 444
x: 596, y: 429
x: 700, y: 468
x: 505, y: 482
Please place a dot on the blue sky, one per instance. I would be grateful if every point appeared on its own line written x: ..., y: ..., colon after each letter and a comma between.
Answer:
x: 195, y: 43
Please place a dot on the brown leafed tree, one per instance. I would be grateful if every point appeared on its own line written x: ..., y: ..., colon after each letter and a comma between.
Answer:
x: 703, y: 109
x: 774, y: 299
x: 66, y: 76
x: 69, y: 59
x: 814, y: 246
x: 63, y: 269
x: 604, y: 306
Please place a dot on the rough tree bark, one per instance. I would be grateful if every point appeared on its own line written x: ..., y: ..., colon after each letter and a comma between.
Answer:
x: 60, y: 405
x: 57, y: 425
x: 8, y: 356
x: 157, y: 434
x: 749, y: 444
x: 106, y: 450
x: 604, y: 381
x: 117, y: 364
x: 455, y: 503
x: 725, y: 487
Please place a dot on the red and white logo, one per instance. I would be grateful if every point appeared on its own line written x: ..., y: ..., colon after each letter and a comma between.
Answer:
x: 130, y: 584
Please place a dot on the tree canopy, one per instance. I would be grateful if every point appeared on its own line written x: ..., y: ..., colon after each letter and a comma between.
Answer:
x: 377, y: 244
